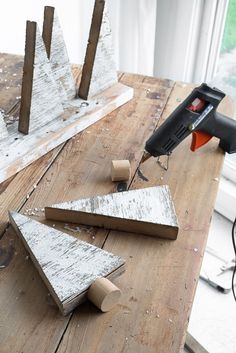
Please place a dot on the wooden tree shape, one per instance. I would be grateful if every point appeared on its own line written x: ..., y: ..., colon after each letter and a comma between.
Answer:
x: 99, y: 70
x: 67, y: 265
x: 3, y: 128
x: 148, y: 211
x: 40, y: 99
x: 57, y: 54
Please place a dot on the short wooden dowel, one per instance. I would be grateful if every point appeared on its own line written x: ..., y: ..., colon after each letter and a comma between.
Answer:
x: 104, y: 294
x: 120, y: 170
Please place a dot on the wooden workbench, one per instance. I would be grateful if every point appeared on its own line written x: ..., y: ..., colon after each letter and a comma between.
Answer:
x: 161, y: 277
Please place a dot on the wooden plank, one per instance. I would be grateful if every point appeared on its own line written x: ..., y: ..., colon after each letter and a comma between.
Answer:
x: 150, y: 316
x: 99, y: 70
x: 57, y: 54
x: 82, y: 169
x: 3, y: 128
x: 67, y: 265
x: 24, y: 149
x: 40, y: 101
x: 148, y: 211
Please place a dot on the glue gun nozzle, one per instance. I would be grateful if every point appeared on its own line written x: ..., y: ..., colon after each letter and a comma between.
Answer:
x: 145, y: 157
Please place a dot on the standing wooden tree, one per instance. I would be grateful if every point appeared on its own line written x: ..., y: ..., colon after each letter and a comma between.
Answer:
x: 40, y: 99
x: 57, y: 54
x: 99, y: 70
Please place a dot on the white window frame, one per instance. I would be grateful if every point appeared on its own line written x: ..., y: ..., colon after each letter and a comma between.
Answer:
x: 188, y: 38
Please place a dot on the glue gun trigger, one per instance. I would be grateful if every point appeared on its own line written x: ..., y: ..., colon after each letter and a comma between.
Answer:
x: 199, y: 138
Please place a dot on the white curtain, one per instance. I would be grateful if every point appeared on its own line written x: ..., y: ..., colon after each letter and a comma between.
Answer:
x: 166, y: 38
x: 133, y: 23
x: 134, y: 27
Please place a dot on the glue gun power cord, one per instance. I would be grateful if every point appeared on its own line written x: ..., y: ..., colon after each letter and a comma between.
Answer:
x: 234, y: 246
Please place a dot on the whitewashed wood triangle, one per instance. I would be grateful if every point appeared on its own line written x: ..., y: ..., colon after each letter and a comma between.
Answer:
x: 3, y: 128
x: 102, y: 70
x: 67, y: 265
x: 148, y: 211
x: 43, y: 104
x: 57, y: 53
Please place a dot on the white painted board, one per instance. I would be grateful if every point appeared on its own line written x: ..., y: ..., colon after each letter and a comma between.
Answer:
x: 22, y: 149
x: 67, y: 265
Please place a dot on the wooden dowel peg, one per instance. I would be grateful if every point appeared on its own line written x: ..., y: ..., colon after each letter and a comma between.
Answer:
x: 120, y: 170
x: 104, y: 294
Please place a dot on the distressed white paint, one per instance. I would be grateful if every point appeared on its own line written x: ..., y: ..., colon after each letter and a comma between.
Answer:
x: 3, y: 128
x: 20, y: 150
x: 147, y: 211
x: 60, y: 64
x: 67, y: 264
x: 45, y: 101
x: 151, y: 205
x: 104, y: 72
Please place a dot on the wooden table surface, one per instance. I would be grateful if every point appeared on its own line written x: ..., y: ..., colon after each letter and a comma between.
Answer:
x: 161, y: 277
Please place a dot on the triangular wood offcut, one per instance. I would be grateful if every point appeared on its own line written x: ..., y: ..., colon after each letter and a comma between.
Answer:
x: 57, y: 54
x: 67, y: 265
x: 147, y: 211
x: 3, y: 128
x: 99, y: 70
x: 40, y: 99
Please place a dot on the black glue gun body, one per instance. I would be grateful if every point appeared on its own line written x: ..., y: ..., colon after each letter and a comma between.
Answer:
x: 197, y: 115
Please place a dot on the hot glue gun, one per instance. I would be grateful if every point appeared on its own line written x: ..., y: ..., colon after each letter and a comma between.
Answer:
x: 197, y: 115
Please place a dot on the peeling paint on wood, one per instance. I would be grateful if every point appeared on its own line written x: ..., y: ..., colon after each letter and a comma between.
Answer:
x: 57, y: 54
x: 40, y: 99
x: 3, y: 128
x: 148, y: 211
x: 99, y: 71
x: 18, y: 150
x: 67, y: 265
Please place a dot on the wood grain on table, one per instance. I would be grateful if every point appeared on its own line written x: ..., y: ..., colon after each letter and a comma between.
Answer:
x: 161, y: 277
